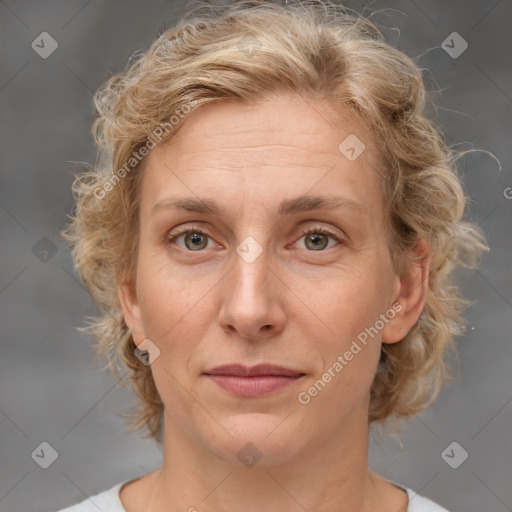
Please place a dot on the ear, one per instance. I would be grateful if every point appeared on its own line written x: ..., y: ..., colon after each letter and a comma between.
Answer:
x: 127, y: 295
x: 411, y: 296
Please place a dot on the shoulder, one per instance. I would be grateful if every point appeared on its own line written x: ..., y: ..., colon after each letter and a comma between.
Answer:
x: 419, y: 503
x: 106, y: 501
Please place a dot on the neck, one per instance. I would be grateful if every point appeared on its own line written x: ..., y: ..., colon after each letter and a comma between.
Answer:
x: 329, y: 474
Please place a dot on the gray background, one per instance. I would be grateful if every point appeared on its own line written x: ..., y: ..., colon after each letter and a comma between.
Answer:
x: 50, y: 389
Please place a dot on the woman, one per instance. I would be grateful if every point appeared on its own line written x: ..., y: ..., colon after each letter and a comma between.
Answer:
x: 270, y: 233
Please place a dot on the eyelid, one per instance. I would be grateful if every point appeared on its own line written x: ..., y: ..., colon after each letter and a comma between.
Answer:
x: 325, y: 231
x: 186, y: 228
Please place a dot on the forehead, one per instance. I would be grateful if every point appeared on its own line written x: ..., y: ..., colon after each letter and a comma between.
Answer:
x: 270, y: 148
x: 280, y: 122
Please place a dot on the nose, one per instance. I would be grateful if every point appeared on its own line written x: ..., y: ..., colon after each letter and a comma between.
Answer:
x: 252, y: 304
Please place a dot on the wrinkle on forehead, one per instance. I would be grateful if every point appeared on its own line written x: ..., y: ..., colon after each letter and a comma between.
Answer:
x: 282, y: 134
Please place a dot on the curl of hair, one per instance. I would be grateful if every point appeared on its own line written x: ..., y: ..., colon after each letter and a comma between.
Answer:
x: 245, y: 52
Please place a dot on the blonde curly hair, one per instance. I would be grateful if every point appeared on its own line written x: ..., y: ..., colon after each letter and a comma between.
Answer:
x: 246, y: 51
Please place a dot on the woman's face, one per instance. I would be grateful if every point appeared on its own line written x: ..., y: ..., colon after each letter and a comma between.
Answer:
x: 253, y: 286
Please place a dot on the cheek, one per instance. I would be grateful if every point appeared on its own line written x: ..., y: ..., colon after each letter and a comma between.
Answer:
x: 349, y: 309
x: 349, y: 356
x: 351, y: 302
x: 171, y: 300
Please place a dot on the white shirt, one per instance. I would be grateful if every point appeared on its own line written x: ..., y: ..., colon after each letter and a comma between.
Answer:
x: 109, y: 501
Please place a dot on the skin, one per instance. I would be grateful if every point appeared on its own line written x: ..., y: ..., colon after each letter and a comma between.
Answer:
x: 295, y: 305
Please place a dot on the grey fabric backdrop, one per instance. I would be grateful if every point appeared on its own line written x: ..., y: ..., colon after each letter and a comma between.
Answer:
x: 50, y: 389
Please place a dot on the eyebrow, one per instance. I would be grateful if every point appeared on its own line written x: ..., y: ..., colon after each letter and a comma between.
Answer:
x: 286, y: 207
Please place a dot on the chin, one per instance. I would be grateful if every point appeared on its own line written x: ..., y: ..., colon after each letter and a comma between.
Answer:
x: 256, y: 439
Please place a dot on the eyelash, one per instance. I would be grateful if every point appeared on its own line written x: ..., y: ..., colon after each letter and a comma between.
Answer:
x: 192, y: 229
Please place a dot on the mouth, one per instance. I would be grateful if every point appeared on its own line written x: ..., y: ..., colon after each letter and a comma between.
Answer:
x: 253, y: 381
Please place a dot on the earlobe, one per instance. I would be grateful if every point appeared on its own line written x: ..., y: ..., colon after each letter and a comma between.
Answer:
x: 413, y: 289
x: 131, y: 312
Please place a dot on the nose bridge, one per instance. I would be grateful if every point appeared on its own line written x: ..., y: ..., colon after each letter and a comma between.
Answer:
x: 250, y: 275
x: 250, y: 303
x: 252, y: 250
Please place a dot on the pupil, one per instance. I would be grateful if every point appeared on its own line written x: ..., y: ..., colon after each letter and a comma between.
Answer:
x: 316, y: 240
x: 195, y: 239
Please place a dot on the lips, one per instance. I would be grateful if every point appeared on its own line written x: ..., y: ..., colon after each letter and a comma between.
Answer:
x: 255, y: 381
x: 238, y: 370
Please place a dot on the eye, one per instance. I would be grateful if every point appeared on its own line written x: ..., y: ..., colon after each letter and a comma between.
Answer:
x: 195, y: 239
x: 317, y: 238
